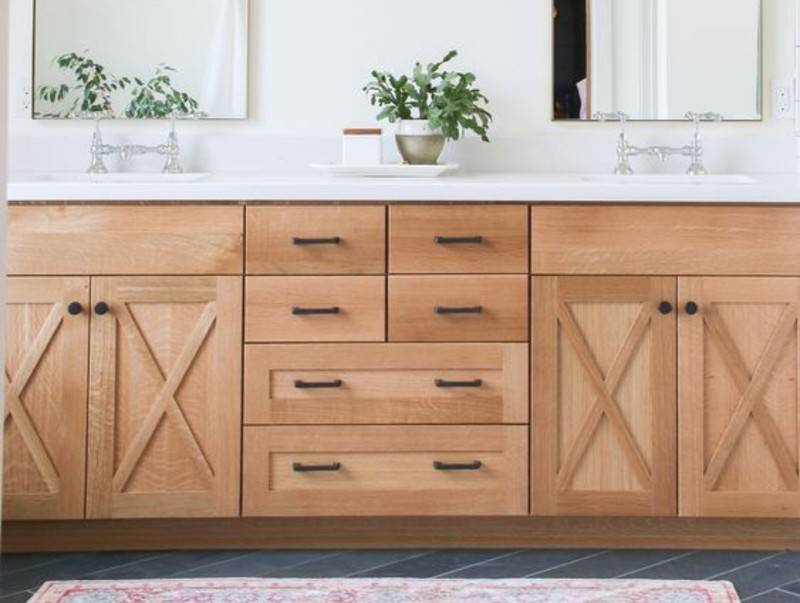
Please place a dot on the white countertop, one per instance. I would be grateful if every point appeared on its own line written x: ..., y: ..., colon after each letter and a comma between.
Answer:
x: 500, y: 187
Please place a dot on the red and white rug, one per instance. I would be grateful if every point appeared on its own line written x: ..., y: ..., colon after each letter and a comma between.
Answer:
x: 387, y: 591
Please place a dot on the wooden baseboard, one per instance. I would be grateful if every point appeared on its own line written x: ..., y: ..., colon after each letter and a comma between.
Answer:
x: 371, y: 533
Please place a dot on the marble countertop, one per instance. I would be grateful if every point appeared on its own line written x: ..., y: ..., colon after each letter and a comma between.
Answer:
x: 461, y: 187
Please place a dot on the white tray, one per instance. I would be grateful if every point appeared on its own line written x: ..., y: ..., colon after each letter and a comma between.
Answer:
x: 389, y: 170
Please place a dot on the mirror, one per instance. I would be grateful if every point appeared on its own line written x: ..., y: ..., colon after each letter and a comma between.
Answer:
x: 657, y: 59
x: 140, y: 59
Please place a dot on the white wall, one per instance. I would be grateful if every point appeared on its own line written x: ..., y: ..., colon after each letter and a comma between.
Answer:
x: 309, y: 59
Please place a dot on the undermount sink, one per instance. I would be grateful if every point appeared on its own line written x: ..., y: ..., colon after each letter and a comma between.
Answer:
x: 669, y: 179
x: 122, y: 177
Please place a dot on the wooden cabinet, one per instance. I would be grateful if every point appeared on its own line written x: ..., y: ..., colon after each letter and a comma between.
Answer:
x: 164, y: 397
x: 739, y: 401
x: 603, y: 396
x: 47, y: 345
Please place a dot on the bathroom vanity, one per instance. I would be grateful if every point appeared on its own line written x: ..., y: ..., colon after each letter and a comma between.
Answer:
x: 385, y: 364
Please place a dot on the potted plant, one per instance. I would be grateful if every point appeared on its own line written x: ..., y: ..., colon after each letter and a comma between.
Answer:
x: 432, y: 105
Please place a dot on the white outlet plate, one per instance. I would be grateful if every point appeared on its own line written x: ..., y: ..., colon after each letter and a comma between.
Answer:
x: 783, y: 99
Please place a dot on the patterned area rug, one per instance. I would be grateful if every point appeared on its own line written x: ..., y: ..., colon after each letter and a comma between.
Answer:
x: 387, y: 591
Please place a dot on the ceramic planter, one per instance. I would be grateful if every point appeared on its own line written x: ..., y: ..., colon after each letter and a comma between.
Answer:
x: 418, y: 143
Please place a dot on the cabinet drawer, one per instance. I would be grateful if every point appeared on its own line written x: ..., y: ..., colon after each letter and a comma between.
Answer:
x: 633, y: 240
x: 94, y: 240
x: 350, y: 471
x: 386, y: 383
x: 315, y: 308
x: 460, y: 239
x: 458, y: 308
x: 316, y: 240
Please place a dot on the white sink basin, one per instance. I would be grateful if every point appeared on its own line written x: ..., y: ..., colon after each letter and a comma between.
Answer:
x: 122, y: 177
x: 674, y: 179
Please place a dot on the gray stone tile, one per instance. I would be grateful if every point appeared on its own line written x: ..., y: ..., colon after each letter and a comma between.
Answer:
x: 764, y: 575
x: 254, y: 564
x: 433, y: 564
x: 700, y: 565
x: 522, y: 563
x: 610, y: 564
x: 346, y: 564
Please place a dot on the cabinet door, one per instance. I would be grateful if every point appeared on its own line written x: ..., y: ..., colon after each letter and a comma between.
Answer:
x: 604, y: 388
x: 738, y: 394
x: 165, y: 397
x: 45, y: 411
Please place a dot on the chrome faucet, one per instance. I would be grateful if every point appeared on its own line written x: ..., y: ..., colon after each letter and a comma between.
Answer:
x: 694, y: 150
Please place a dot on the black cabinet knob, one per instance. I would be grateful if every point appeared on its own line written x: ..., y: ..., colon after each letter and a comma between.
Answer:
x: 75, y: 308
x: 665, y: 307
x: 101, y: 308
x: 692, y: 308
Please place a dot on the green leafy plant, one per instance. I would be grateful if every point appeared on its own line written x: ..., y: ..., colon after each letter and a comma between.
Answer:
x: 448, y: 99
x: 158, y: 98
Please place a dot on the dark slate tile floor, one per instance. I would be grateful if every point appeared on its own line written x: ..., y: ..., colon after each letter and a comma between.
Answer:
x: 760, y: 577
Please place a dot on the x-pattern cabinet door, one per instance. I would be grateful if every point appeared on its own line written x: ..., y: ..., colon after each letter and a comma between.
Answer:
x: 47, y: 347
x: 738, y: 389
x: 165, y: 397
x: 604, y: 388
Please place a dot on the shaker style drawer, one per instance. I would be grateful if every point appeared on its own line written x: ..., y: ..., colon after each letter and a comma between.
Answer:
x: 95, y: 240
x: 458, y: 239
x: 315, y: 308
x: 634, y: 240
x: 458, y: 308
x: 397, y: 470
x: 386, y: 383
x: 316, y: 240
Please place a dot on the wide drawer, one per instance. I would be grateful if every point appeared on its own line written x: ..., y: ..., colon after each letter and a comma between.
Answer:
x: 666, y: 240
x: 386, y: 383
x: 458, y: 239
x: 351, y: 471
x: 316, y: 240
x: 95, y: 240
x: 315, y: 308
x: 458, y: 308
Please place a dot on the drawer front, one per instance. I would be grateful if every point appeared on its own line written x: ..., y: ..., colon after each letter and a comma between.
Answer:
x: 95, y: 240
x: 316, y: 240
x: 315, y: 308
x: 352, y: 471
x: 458, y: 308
x: 666, y: 240
x: 386, y: 383
x: 460, y: 239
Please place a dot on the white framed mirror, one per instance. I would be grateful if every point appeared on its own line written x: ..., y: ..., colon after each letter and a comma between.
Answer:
x: 657, y: 59
x: 140, y: 59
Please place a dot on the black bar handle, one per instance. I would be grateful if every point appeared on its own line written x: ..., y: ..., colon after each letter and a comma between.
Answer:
x: 301, y: 468
x: 75, y: 308
x: 474, y: 466
x: 456, y: 310
x: 445, y: 383
x: 311, y: 311
x: 101, y: 308
x: 336, y: 383
x: 665, y: 308
x: 322, y: 241
x: 439, y: 240
x: 692, y: 308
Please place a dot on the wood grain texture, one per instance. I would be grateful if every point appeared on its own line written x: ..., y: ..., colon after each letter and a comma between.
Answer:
x: 403, y: 532
x: 503, y: 300
x: 97, y: 240
x: 164, y: 398
x: 634, y: 240
x: 45, y: 387
x: 385, y: 471
x: 269, y: 302
x: 361, y: 248
x: 738, y: 397
x: 503, y: 248
x: 603, y: 396
x: 386, y: 383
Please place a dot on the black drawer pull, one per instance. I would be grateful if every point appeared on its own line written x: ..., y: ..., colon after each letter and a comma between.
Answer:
x: 439, y: 240
x: 301, y: 468
x: 322, y: 241
x: 456, y: 310
x: 336, y: 383
x: 311, y: 311
x: 474, y: 466
x: 445, y: 383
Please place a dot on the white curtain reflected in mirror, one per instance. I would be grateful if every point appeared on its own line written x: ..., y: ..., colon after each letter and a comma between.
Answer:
x: 657, y: 59
x: 140, y: 58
